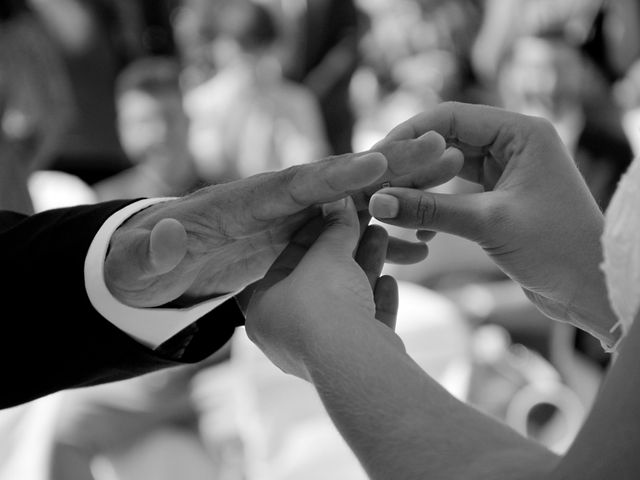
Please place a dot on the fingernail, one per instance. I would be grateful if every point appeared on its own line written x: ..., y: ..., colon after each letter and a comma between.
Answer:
x: 336, y: 206
x: 384, y: 206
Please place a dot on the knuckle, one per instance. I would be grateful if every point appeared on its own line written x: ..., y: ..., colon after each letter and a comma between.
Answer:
x: 426, y: 210
x: 525, y: 131
x: 541, y: 128
x: 292, y: 182
x: 451, y: 110
x: 287, y: 175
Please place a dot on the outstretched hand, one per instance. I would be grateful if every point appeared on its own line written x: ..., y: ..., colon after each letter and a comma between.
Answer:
x: 224, y: 237
x: 536, y: 218
x: 325, y: 283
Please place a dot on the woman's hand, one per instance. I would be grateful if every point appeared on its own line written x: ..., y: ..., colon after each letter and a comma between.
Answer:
x: 536, y: 217
x: 320, y: 314
x: 317, y: 291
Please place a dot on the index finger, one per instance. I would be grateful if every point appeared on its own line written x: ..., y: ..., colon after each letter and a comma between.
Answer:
x: 478, y: 131
x: 274, y: 195
x: 280, y: 194
x: 475, y: 126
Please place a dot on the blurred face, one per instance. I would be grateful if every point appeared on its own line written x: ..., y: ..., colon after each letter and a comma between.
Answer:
x: 542, y: 78
x: 225, y: 51
x: 151, y: 124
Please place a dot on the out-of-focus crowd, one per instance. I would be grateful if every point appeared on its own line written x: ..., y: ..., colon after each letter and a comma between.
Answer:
x: 108, y: 99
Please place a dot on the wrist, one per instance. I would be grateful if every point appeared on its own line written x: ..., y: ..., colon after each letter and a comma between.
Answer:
x: 600, y: 325
x: 348, y: 345
x: 591, y: 311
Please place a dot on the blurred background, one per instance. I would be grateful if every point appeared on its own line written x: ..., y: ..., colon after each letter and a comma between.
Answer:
x: 104, y: 99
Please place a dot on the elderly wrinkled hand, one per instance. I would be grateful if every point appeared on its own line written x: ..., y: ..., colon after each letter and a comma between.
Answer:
x: 224, y: 237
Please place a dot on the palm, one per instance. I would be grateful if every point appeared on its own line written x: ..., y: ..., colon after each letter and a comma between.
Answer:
x: 237, y: 262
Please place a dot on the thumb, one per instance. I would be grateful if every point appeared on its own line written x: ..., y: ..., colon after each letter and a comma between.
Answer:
x: 167, y: 245
x: 341, y: 231
x: 154, y: 253
x: 462, y: 215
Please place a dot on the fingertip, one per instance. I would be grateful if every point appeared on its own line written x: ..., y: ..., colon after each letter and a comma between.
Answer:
x: 377, y: 231
x: 375, y: 161
x: 386, y: 298
x: 371, y: 252
x: 455, y: 158
x: 404, y: 252
x: 341, y: 225
x: 435, y: 142
x: 389, y: 286
x: 425, y: 235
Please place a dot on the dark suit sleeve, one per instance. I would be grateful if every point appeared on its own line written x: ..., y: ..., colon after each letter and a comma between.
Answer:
x: 51, y: 338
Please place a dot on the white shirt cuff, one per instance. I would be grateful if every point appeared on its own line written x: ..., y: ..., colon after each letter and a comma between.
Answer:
x: 149, y: 326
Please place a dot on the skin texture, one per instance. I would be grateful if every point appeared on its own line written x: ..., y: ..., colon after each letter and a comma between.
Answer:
x: 526, y: 217
x: 399, y: 422
x: 224, y: 237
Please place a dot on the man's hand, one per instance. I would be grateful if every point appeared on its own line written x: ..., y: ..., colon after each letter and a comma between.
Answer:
x: 224, y: 237
x: 536, y: 218
x: 317, y: 289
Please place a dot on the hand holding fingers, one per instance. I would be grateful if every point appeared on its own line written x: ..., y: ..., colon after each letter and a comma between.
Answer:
x: 418, y: 163
x: 291, y: 255
x: 337, y: 229
x: 443, y: 170
x: 488, y: 137
x: 473, y: 129
x: 408, y: 154
x: 538, y: 222
x: 313, y: 284
x: 227, y: 224
x: 468, y: 216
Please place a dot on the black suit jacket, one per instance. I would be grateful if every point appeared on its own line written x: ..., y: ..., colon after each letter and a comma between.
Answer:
x: 51, y: 338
